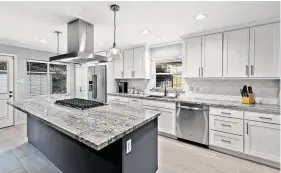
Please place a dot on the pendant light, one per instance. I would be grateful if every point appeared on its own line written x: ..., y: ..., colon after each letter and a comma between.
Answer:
x: 114, y: 52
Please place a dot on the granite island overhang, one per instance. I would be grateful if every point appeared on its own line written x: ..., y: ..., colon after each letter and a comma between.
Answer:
x: 92, y: 140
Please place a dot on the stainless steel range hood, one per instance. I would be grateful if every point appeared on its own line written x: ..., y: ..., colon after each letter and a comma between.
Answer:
x: 80, y: 44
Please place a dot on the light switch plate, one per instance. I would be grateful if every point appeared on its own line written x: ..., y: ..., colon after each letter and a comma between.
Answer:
x: 128, y: 146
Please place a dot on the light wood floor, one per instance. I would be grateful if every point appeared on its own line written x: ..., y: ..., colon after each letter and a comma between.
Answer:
x: 174, y: 156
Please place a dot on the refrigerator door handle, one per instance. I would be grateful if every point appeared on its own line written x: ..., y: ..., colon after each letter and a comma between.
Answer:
x: 95, y: 89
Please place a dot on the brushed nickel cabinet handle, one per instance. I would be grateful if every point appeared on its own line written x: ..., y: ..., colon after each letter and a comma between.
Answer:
x: 199, y: 71
x: 247, y: 128
x: 252, y: 70
x: 265, y: 118
x: 202, y: 71
x: 226, y: 141
x: 226, y: 125
x: 247, y: 70
x: 226, y: 113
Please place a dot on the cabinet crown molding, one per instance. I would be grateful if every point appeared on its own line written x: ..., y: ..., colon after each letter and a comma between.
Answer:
x: 230, y: 28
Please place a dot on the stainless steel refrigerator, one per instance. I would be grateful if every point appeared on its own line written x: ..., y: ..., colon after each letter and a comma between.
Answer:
x: 97, y: 83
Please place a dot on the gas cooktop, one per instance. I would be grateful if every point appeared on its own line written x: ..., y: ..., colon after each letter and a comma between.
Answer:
x: 79, y: 103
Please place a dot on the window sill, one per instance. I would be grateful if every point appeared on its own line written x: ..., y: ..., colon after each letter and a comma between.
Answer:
x: 170, y: 90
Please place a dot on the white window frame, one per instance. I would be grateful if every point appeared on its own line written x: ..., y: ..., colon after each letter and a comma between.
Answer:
x: 155, y: 74
x: 48, y: 73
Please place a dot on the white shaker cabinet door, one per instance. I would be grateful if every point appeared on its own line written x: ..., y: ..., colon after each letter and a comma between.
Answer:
x: 212, y: 55
x: 265, y: 50
x: 118, y: 67
x: 128, y: 63
x: 236, y: 53
x: 193, y: 57
x: 262, y: 140
x: 139, y: 71
x: 167, y: 121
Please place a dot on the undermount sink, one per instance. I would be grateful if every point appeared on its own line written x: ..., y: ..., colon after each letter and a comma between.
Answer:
x: 157, y: 96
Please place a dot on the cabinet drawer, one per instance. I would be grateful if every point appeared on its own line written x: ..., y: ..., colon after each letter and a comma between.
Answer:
x: 225, y: 140
x: 135, y: 102
x: 225, y: 124
x: 118, y: 99
x: 226, y: 112
x: 159, y: 104
x: 262, y: 117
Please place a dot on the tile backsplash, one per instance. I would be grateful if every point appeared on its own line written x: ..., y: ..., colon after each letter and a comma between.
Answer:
x: 266, y: 91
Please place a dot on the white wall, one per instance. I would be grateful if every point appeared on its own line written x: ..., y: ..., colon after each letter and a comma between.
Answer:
x: 21, y: 73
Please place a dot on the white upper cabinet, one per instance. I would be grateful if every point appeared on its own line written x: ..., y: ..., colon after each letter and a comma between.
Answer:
x: 128, y: 63
x: 118, y: 67
x: 139, y: 55
x: 135, y: 64
x: 265, y: 51
x: 236, y: 53
x: 192, y: 63
x: 212, y: 55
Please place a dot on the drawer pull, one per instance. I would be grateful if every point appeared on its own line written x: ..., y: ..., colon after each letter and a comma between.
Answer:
x: 134, y: 100
x: 226, y: 113
x: 116, y: 99
x: 225, y: 141
x: 226, y: 125
x: 265, y: 118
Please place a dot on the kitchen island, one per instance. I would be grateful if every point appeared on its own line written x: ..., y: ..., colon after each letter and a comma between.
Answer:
x: 107, y: 139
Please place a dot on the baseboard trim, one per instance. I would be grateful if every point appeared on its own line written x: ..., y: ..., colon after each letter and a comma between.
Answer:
x: 167, y: 135
x: 246, y: 157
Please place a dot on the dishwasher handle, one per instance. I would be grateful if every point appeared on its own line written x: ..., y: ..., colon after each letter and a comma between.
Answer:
x: 193, y: 108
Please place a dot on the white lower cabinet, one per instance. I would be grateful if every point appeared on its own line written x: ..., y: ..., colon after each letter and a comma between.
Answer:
x: 262, y: 140
x: 225, y: 124
x: 226, y: 140
x: 166, y: 121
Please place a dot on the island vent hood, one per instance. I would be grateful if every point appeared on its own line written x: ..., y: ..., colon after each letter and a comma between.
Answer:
x: 80, y: 44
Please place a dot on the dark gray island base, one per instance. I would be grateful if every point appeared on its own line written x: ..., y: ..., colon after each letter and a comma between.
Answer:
x: 71, y: 156
x: 93, y: 140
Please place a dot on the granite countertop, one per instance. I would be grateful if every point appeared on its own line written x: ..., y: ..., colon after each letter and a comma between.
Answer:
x: 96, y: 127
x: 264, y: 108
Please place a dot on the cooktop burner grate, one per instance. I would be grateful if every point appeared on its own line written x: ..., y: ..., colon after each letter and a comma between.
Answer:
x: 79, y: 103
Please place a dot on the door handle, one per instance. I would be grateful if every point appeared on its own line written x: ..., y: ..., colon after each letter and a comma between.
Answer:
x: 226, y: 141
x: 252, y: 70
x: 265, y: 118
x: 247, y: 70
x: 192, y: 108
x: 226, y: 125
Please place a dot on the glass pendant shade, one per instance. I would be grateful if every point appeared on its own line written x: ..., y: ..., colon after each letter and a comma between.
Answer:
x: 114, y: 53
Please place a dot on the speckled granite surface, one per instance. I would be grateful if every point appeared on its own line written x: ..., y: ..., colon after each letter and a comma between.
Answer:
x: 95, y: 127
x: 272, y: 109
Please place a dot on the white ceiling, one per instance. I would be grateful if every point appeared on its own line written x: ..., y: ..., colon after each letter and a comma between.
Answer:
x: 24, y: 23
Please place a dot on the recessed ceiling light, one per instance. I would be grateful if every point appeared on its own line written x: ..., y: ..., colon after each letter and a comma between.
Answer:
x: 146, y: 31
x: 43, y: 40
x: 159, y: 38
x: 201, y: 16
x: 101, y: 43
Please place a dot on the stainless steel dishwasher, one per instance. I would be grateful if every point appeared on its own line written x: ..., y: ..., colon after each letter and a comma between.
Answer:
x: 193, y: 123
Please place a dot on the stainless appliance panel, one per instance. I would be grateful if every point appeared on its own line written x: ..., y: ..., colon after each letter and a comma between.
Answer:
x: 193, y: 123
x: 99, y: 83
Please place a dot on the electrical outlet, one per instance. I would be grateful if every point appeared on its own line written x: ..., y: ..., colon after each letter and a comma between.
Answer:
x: 128, y: 146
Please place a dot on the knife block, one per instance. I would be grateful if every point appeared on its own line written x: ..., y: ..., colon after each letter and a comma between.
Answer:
x: 249, y: 100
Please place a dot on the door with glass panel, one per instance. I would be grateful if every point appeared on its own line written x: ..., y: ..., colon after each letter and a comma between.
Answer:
x: 6, y: 91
